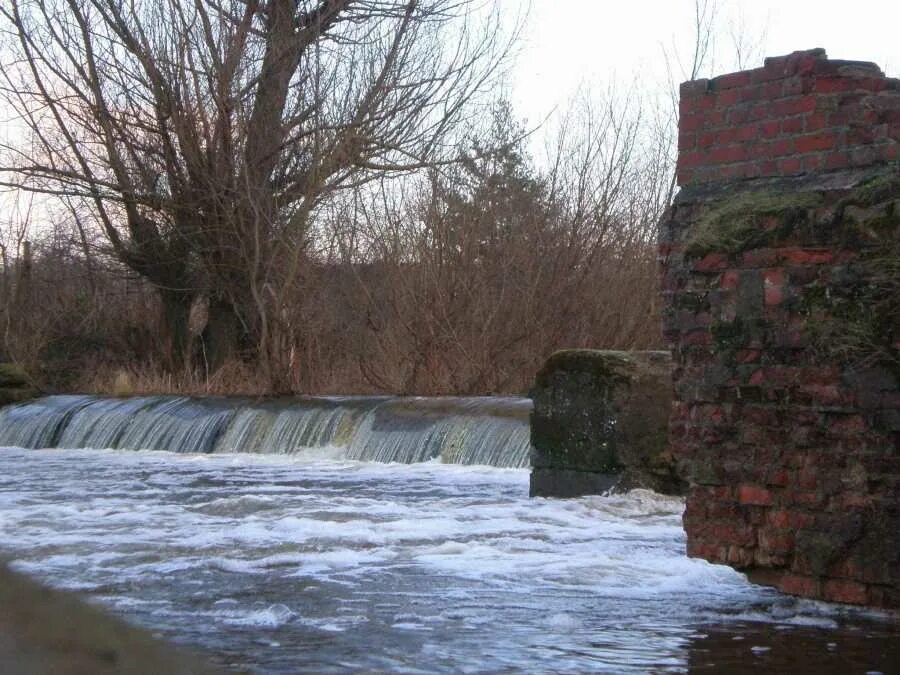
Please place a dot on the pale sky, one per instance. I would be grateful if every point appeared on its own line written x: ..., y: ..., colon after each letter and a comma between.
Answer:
x: 568, y: 44
x: 571, y: 42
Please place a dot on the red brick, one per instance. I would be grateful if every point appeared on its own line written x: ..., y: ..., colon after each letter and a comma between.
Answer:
x: 694, y: 122
x: 748, y: 132
x: 774, y: 287
x: 732, y: 532
x: 792, y: 125
x: 763, y: 75
x: 778, y: 478
x: 795, y: 106
x: 812, y: 163
x: 754, y: 495
x: 813, y: 499
x: 751, y: 92
x: 813, y: 122
x: 728, y: 98
x: 798, y: 256
x: 706, y: 139
x: 808, y: 479
x: 716, y: 118
x: 687, y: 141
x: 728, y: 154
x: 739, y: 556
x: 729, y: 280
x: 849, y: 424
x: 850, y: 592
x: 687, y: 105
x: 759, y: 111
x: 794, y: 584
x: 772, y: 90
x: 779, y: 518
x: 732, y: 80
x: 726, y: 136
x: 816, y: 142
x: 774, y: 277
x: 688, y: 160
x: 710, y: 262
x: 790, y: 165
x: 747, y: 356
x: 825, y: 394
x: 782, y: 147
x: 832, y: 85
x: 775, y: 540
x: 769, y: 129
x: 854, y: 501
x: 694, y: 88
x: 837, y: 160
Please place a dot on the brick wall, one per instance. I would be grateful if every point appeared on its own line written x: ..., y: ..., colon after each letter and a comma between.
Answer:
x: 780, y: 266
x: 797, y: 114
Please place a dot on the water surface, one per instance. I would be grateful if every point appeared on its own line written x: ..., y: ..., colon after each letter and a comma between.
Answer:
x: 281, y: 564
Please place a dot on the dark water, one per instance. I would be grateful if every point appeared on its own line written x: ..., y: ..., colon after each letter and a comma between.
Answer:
x: 276, y: 564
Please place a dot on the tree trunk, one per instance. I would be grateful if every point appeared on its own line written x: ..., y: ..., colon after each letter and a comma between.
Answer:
x: 223, y: 335
x: 176, y: 307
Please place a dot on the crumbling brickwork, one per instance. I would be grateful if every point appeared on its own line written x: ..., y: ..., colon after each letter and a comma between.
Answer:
x: 798, y: 114
x: 781, y: 284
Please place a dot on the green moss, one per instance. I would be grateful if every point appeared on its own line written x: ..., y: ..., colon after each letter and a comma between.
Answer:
x: 692, y: 302
x: 743, y: 221
x: 602, y: 364
x: 856, y: 319
x: 729, y: 336
x: 875, y: 190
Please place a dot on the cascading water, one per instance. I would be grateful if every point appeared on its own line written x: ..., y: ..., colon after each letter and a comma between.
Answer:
x: 488, y: 431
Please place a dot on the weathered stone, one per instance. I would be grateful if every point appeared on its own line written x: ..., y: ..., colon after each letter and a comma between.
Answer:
x: 600, y: 421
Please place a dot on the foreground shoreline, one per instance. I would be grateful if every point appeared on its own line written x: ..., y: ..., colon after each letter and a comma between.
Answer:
x: 49, y: 631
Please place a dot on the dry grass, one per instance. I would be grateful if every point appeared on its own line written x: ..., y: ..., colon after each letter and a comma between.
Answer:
x: 232, y: 379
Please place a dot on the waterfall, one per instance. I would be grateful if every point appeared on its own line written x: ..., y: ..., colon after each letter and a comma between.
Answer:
x: 491, y: 431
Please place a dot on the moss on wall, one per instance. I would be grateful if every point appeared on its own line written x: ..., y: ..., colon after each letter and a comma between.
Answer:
x: 749, y: 220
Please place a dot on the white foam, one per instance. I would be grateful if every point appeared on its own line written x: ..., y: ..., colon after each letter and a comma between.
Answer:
x: 270, y: 617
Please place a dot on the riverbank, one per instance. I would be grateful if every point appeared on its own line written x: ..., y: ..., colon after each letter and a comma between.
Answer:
x: 49, y: 631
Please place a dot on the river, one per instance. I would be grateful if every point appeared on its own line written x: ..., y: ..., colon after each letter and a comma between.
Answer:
x: 312, y: 561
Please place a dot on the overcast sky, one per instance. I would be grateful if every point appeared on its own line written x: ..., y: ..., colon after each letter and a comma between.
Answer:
x: 590, y: 42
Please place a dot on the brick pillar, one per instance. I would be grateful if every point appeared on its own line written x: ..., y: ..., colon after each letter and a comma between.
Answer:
x: 780, y: 266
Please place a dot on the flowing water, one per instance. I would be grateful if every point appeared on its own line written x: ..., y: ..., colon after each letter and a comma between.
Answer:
x: 486, y: 431
x: 266, y: 543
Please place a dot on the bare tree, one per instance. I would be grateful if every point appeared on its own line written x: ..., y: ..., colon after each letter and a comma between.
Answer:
x: 204, y: 134
x: 470, y: 279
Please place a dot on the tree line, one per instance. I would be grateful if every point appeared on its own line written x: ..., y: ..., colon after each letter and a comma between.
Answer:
x: 310, y: 196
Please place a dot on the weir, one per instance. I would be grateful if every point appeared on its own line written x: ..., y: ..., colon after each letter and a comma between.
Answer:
x: 487, y: 431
